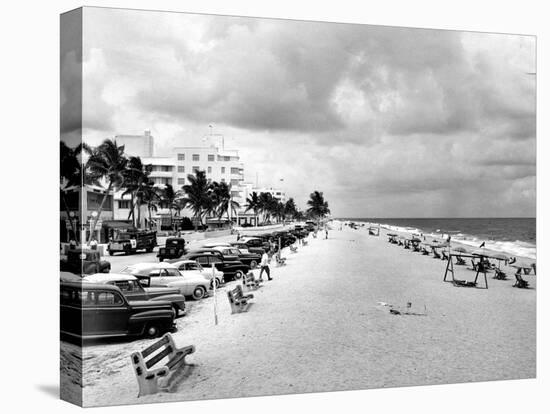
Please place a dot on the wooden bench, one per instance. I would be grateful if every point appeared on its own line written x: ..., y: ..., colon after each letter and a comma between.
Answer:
x: 148, y: 376
x: 250, y: 282
x: 293, y: 249
x: 280, y: 261
x: 238, y: 301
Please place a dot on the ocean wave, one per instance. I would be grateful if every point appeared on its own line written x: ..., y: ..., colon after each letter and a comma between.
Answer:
x: 512, y: 248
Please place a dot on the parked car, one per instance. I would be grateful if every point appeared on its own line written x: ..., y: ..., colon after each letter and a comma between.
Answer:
x: 131, y: 241
x: 133, y: 290
x: 256, y: 242
x: 193, y: 266
x: 90, y: 310
x: 250, y: 259
x: 246, y: 248
x: 166, y: 274
x: 232, y: 269
x: 84, y: 261
x: 173, y: 249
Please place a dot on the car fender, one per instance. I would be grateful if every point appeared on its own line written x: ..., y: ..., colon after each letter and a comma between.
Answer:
x: 176, y: 299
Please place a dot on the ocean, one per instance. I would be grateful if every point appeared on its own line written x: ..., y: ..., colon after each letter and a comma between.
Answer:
x: 513, y: 236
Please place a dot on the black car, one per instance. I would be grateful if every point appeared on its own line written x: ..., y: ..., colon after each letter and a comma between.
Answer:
x: 90, y: 310
x: 84, y: 261
x: 131, y: 241
x: 232, y: 268
x: 244, y: 246
x: 250, y: 259
x: 173, y: 249
x: 256, y: 242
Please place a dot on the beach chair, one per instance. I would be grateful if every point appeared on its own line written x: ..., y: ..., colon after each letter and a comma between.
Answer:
x: 463, y: 283
x: 250, y: 282
x: 460, y: 261
x: 520, y: 282
x: 304, y: 242
x: 436, y: 253
x: 416, y: 247
x: 293, y: 249
x: 444, y: 255
x: 499, y: 275
x: 425, y: 251
x: 400, y: 243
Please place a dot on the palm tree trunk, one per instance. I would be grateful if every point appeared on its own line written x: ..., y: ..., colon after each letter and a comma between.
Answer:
x: 139, y: 215
x: 150, y: 218
x: 94, y: 222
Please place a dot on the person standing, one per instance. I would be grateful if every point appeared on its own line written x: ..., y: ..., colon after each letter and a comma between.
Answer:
x: 264, y: 264
x: 326, y: 232
x: 93, y: 243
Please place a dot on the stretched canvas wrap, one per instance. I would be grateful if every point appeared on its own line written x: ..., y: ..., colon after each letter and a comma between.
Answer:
x: 254, y: 206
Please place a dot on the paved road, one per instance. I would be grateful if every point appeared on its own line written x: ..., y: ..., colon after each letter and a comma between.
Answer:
x: 120, y: 261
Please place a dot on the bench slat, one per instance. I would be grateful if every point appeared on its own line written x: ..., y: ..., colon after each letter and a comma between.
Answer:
x: 152, y: 348
x: 167, y: 351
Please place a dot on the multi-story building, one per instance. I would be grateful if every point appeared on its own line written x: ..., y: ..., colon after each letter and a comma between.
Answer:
x: 137, y: 145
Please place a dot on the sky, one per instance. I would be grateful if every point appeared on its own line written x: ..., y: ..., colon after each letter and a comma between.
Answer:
x: 385, y: 121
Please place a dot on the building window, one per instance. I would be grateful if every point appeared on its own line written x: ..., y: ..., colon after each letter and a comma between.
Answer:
x: 223, y: 180
x: 235, y: 182
x: 181, y: 157
x: 161, y: 168
x: 235, y: 170
x: 181, y: 181
x: 210, y: 157
x: 226, y: 158
x: 223, y: 170
x: 235, y: 194
x: 195, y: 169
x: 162, y: 180
x: 209, y: 170
x: 196, y: 157
x: 123, y: 204
x: 181, y: 168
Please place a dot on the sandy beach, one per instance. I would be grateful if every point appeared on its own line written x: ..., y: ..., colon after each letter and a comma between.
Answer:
x: 322, y: 324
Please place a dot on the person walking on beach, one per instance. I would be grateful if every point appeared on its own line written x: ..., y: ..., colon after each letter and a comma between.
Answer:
x: 326, y: 232
x: 264, y: 264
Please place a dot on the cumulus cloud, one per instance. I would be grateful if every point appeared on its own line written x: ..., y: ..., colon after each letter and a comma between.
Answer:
x: 384, y: 120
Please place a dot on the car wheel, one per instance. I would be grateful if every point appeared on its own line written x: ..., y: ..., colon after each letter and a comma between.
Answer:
x: 176, y: 311
x: 111, y: 253
x: 238, y: 274
x: 217, y: 283
x: 199, y: 292
x: 152, y: 331
x: 253, y: 264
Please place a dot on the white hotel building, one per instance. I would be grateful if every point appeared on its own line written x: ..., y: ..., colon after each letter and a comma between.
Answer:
x: 220, y: 164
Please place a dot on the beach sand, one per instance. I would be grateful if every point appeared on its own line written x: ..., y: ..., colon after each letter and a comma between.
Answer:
x: 320, y: 326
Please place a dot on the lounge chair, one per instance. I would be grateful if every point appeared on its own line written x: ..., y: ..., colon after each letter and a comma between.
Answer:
x: 444, y: 255
x: 436, y: 253
x: 464, y: 283
x: 460, y: 261
x: 499, y: 274
x: 425, y: 252
x: 520, y: 282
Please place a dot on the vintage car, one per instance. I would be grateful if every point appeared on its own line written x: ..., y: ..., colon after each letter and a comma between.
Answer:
x: 232, y: 268
x: 133, y: 290
x: 256, y: 242
x: 246, y: 248
x: 90, y: 310
x: 250, y: 259
x: 173, y: 249
x: 193, y: 266
x: 190, y: 283
x: 130, y: 241
x: 84, y: 261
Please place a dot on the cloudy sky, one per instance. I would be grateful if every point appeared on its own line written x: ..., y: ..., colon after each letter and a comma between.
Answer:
x: 387, y: 122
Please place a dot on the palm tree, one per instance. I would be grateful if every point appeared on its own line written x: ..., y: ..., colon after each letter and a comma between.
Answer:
x: 318, y: 207
x: 290, y: 208
x: 169, y: 199
x: 223, y: 199
x: 136, y: 176
x: 266, y: 205
x: 253, y: 203
x: 150, y: 195
x: 108, y: 162
x: 197, y: 195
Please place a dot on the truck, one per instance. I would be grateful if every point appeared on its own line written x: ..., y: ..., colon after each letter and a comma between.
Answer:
x: 130, y: 241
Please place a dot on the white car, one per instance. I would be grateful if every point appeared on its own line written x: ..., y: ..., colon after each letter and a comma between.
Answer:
x: 186, y: 266
x: 166, y: 274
